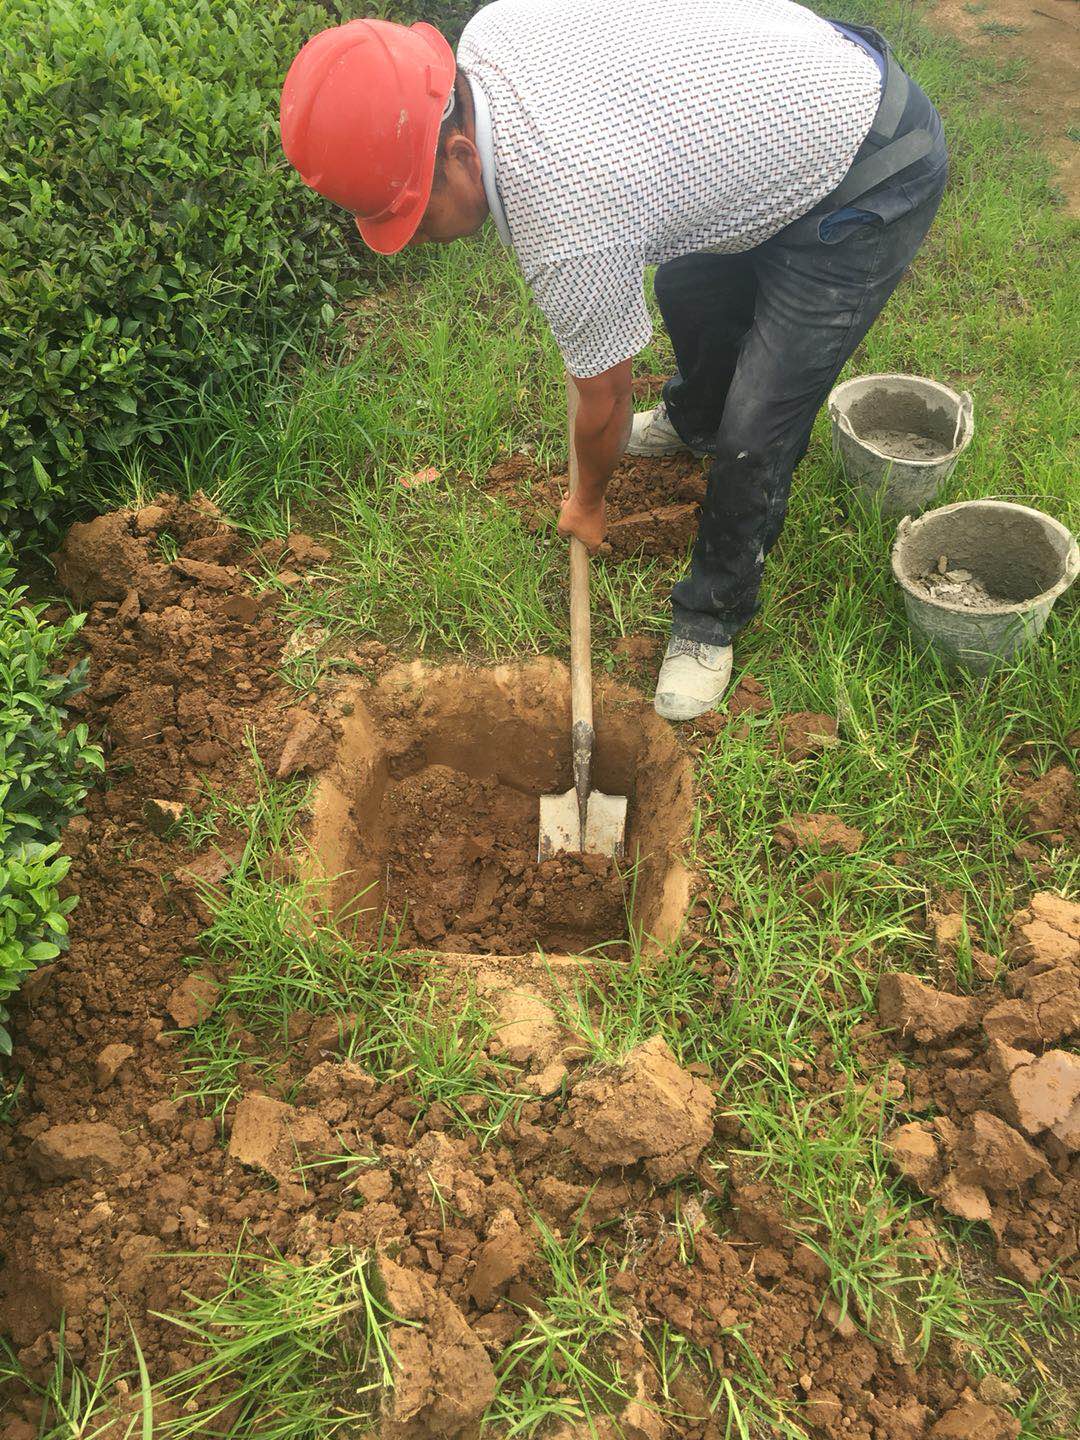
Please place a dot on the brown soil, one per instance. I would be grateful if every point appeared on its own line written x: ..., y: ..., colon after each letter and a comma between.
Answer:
x: 806, y: 733
x: 648, y: 1110
x: 1046, y: 36
x: 825, y: 833
x: 1002, y: 1094
x: 653, y: 505
x: 463, y: 872
x: 120, y: 1197
x: 1048, y: 806
x: 429, y: 811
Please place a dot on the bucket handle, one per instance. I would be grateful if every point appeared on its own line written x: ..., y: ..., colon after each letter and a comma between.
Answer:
x: 840, y: 420
x: 965, y: 416
x: 965, y: 421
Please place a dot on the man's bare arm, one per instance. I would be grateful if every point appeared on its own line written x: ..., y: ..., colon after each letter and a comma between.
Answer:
x: 605, y: 413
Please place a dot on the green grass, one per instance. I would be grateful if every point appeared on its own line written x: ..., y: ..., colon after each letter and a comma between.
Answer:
x: 288, y: 1351
x: 82, y: 1404
x: 285, y: 958
x: 446, y: 363
x: 284, y: 954
x: 559, y: 1367
x: 997, y: 30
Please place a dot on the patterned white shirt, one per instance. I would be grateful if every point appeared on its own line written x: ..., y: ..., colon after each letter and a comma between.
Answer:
x: 622, y: 133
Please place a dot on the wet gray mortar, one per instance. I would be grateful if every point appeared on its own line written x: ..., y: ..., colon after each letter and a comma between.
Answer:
x: 903, y: 425
x: 1010, y: 569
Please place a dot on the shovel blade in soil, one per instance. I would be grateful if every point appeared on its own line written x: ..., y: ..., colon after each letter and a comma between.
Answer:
x: 560, y: 828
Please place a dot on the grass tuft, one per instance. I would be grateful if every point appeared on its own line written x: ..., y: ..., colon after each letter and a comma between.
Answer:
x: 291, y: 1351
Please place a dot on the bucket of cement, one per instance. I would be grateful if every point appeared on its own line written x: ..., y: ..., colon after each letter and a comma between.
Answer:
x: 898, y: 438
x: 981, y: 576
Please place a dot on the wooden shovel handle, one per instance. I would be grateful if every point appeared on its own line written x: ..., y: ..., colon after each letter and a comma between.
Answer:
x: 580, y: 632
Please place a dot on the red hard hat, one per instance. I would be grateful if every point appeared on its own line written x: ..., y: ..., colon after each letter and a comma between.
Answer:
x: 360, y: 115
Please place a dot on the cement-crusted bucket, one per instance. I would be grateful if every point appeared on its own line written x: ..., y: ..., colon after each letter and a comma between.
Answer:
x: 898, y: 438
x: 1020, y: 558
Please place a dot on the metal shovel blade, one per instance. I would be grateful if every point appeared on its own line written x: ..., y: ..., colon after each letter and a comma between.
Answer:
x: 560, y: 825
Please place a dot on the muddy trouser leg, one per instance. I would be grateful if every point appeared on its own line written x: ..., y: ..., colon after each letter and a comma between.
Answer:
x: 707, y: 302
x: 815, y: 301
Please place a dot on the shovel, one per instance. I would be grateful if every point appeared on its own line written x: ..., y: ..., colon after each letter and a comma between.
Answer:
x: 583, y: 821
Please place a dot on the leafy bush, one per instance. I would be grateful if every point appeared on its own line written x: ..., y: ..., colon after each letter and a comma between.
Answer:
x: 43, y: 777
x: 449, y: 16
x: 151, y: 230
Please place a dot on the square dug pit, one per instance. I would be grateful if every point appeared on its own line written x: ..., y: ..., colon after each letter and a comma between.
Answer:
x: 428, y: 817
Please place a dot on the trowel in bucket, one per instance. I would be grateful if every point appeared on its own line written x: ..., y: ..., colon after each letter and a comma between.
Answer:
x: 582, y: 821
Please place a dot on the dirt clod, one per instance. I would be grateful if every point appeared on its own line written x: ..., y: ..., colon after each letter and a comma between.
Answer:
x: 1007, y: 1094
x: 825, y: 833
x: 328, y: 1035
x: 83, y: 1150
x: 646, y: 1110
x: 205, y: 572
x: 1050, y: 803
x: 525, y: 1032
x: 102, y: 559
x: 658, y: 531
x: 819, y: 888
x: 193, y: 1000
x: 502, y: 1258
x: 307, y: 747
x: 805, y: 733
x: 161, y: 815
x: 915, y: 1152
x: 928, y: 1016
x: 271, y: 1136
x: 1013, y: 1023
x: 1046, y: 933
x: 971, y: 1419
x: 991, y: 1154
x: 109, y: 1063
x: 443, y: 1379
x: 305, y: 551
x: 1041, y: 1093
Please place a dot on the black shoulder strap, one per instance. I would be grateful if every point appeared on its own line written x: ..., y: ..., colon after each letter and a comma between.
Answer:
x: 882, y: 165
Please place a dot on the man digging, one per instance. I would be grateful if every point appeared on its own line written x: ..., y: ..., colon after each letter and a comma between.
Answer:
x: 780, y: 170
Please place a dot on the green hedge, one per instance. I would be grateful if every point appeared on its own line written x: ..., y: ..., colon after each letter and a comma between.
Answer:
x: 149, y: 220
x: 44, y: 772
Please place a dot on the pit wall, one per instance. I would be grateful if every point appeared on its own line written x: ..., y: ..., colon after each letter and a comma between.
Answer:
x: 510, y: 723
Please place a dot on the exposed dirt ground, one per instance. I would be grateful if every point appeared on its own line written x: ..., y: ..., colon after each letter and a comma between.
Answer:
x: 464, y: 876
x: 120, y: 1195
x: 1003, y: 1094
x: 653, y: 505
x: 1046, y: 36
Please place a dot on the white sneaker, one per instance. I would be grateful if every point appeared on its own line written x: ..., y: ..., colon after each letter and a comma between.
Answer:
x: 652, y: 433
x: 692, y: 678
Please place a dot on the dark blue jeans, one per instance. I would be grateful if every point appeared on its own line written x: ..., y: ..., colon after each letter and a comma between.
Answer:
x: 760, y: 338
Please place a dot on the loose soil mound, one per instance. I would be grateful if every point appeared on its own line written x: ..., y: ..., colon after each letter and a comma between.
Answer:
x: 1003, y: 1094
x: 653, y: 505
